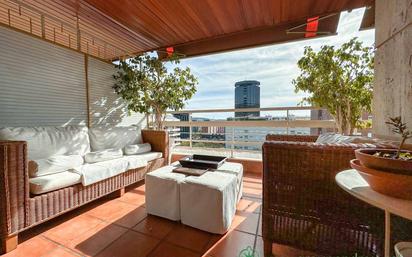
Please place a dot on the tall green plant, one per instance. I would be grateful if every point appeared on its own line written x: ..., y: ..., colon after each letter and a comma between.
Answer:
x: 340, y: 80
x: 148, y: 87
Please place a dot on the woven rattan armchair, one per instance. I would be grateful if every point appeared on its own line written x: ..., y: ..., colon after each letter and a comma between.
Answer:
x: 302, y: 205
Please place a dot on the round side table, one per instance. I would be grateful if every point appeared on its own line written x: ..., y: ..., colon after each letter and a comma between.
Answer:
x: 354, y: 184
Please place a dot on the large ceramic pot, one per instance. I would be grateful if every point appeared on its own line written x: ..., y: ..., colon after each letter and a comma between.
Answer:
x: 367, y: 159
x: 391, y: 184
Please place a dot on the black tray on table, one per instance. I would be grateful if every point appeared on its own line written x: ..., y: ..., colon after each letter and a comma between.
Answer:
x: 198, y: 161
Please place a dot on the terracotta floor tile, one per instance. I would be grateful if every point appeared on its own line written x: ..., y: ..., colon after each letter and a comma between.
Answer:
x: 248, y: 205
x: 251, y: 192
x: 283, y: 250
x: 134, y: 196
x: 96, y: 239
x: 168, y: 250
x: 72, y: 229
x: 130, y: 244
x: 188, y: 237
x: 61, y: 252
x: 155, y: 226
x: 120, y: 213
x: 34, y: 247
x: 252, y: 179
x: 254, y: 185
x: 246, y: 222
x: 236, y: 242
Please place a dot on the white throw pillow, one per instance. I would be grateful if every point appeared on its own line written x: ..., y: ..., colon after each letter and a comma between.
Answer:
x: 137, y: 149
x: 104, y: 155
x: 53, y: 165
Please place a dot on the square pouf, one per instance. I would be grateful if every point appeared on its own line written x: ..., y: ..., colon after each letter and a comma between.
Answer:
x: 237, y: 170
x: 162, y: 193
x: 208, y: 202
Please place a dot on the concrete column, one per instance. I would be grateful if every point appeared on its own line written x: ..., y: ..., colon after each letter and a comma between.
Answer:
x: 393, y: 64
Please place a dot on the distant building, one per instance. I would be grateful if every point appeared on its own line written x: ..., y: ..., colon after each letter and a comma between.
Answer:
x: 320, y: 115
x: 184, y: 131
x: 247, y: 95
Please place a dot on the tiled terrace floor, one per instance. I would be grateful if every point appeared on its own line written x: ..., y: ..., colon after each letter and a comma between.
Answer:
x: 121, y: 227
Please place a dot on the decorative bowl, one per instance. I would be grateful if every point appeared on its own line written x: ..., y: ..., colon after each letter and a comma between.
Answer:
x: 367, y: 159
x: 387, y: 183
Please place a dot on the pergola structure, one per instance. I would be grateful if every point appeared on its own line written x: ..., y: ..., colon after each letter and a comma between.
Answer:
x: 114, y: 29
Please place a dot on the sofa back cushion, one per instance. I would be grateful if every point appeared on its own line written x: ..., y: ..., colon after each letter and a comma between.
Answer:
x: 44, y: 142
x: 333, y: 138
x: 115, y: 137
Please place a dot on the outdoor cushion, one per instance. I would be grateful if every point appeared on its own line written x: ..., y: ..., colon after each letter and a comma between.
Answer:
x: 44, y: 184
x: 150, y: 156
x: 44, y: 142
x: 333, y: 138
x: 103, y: 155
x: 137, y: 149
x: 208, y: 202
x: 115, y: 137
x: 162, y: 192
x: 134, y: 161
x: 54, y: 164
x: 94, y: 172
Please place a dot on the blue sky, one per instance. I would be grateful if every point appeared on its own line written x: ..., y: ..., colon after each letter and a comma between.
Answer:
x: 274, y: 66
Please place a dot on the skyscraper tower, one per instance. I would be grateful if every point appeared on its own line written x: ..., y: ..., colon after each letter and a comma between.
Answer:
x: 247, y: 95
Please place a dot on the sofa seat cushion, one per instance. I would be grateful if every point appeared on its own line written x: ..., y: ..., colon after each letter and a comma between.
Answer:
x: 44, y: 142
x: 94, y: 172
x: 44, y: 184
x: 137, y: 149
x: 102, y: 138
x: 150, y: 156
x: 54, y: 164
x: 103, y: 155
x: 134, y: 161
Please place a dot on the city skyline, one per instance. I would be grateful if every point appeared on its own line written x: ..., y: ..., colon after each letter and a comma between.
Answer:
x: 274, y: 66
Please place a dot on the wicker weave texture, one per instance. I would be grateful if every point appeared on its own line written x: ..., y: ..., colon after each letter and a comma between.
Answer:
x: 159, y: 140
x: 303, y: 206
x: 19, y: 211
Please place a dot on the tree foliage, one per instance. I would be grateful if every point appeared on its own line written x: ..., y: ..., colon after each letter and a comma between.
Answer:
x: 148, y: 87
x: 340, y: 80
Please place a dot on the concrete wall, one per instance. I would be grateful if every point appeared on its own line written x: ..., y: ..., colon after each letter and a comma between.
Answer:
x: 393, y: 64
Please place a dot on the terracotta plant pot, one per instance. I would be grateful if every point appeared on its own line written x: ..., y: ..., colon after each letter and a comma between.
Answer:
x: 387, y: 183
x: 365, y: 156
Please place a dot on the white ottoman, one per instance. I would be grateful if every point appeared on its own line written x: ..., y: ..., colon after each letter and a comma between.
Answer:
x: 208, y: 202
x: 162, y: 193
x: 237, y: 170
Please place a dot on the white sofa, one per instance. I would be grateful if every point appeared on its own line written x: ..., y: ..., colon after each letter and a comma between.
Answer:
x: 59, y: 154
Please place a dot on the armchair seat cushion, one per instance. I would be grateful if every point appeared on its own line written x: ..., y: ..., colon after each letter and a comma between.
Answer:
x: 48, y: 183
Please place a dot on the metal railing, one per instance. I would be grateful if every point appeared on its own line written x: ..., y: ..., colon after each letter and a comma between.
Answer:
x: 239, y: 134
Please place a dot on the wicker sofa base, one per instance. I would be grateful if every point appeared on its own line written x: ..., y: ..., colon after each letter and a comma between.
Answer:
x: 47, y: 206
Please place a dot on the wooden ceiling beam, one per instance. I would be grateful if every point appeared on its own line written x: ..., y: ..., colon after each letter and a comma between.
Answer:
x: 251, y: 38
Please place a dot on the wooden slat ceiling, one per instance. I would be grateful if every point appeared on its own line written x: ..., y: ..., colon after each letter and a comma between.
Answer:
x: 112, y: 29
